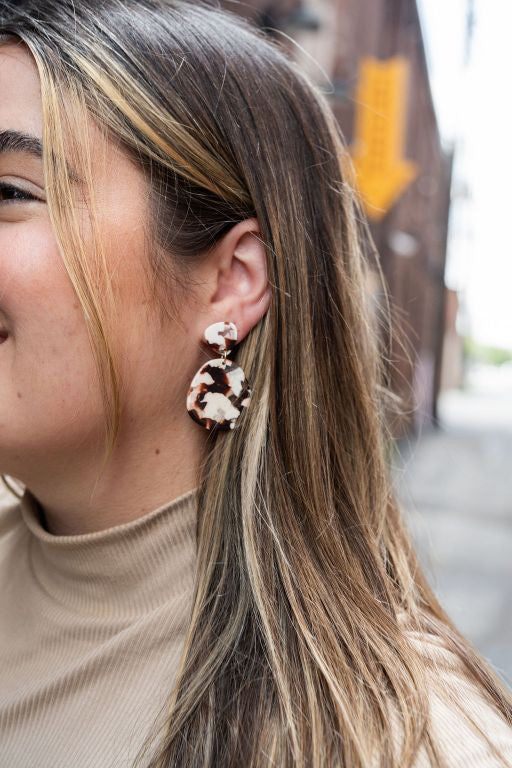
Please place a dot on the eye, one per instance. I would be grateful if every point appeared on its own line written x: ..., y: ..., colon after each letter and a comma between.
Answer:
x: 12, y: 194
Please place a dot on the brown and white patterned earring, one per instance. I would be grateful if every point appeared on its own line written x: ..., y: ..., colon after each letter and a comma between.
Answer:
x: 219, y: 390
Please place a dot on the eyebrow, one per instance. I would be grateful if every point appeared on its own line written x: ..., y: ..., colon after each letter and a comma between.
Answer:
x: 16, y: 141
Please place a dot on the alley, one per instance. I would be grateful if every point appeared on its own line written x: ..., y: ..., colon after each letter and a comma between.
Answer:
x: 456, y: 484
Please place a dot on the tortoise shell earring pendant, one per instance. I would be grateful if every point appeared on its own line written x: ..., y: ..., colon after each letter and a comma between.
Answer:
x: 219, y: 391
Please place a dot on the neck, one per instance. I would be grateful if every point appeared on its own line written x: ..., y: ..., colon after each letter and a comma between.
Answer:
x: 144, y: 473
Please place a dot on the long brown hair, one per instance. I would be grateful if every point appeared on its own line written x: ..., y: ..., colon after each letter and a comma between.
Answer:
x: 296, y: 653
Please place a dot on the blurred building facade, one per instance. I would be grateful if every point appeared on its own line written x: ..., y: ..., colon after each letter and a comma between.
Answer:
x: 368, y: 56
x: 452, y: 367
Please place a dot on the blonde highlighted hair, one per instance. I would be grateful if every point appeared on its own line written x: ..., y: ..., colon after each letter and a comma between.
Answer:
x: 296, y: 653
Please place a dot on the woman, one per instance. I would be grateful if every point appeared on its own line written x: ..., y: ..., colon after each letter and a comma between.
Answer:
x: 229, y: 583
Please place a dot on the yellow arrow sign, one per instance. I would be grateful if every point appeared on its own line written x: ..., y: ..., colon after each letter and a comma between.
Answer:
x: 382, y: 172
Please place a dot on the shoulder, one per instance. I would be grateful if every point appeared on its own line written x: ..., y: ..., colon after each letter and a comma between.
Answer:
x: 464, y: 724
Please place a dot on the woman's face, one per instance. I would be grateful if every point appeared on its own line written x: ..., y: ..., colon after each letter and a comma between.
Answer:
x: 50, y: 403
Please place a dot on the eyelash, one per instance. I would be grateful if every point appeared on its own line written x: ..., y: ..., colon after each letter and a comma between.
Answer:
x: 10, y: 188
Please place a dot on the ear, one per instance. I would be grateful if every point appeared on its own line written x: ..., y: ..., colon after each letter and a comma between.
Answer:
x: 238, y: 280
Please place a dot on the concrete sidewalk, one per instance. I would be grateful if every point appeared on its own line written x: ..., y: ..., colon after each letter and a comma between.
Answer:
x: 456, y: 485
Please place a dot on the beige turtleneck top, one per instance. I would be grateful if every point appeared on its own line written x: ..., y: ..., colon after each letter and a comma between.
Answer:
x: 91, y: 628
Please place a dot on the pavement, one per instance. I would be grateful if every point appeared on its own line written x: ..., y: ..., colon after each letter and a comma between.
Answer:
x: 455, y: 482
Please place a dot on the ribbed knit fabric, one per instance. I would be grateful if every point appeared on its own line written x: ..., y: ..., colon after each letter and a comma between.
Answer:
x: 91, y: 628
x: 453, y: 698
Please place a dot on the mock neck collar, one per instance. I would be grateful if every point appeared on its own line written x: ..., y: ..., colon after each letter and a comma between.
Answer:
x: 123, y: 570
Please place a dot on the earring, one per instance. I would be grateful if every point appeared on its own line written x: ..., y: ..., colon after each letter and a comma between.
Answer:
x: 219, y: 390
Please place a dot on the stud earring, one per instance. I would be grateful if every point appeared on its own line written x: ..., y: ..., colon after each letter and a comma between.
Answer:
x: 219, y: 390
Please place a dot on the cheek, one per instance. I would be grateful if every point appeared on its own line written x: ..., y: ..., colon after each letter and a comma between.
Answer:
x: 47, y: 372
